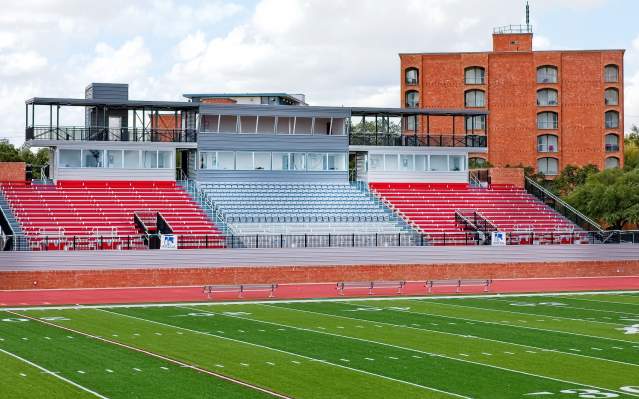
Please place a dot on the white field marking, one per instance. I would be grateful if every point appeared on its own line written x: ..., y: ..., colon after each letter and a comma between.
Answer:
x: 601, y: 301
x: 340, y: 327
x: 345, y: 360
x: 562, y: 307
x: 220, y: 366
x: 109, y: 371
x: 531, y: 351
x: 369, y: 359
x: 164, y: 368
x: 150, y: 354
x: 426, y: 353
x: 596, y: 349
x: 244, y: 364
x: 574, y: 350
x: 25, y: 338
x: 463, y: 354
x: 393, y: 357
x: 222, y: 303
x: 23, y: 375
x: 270, y: 363
x: 617, y: 347
x: 539, y: 393
x: 285, y: 352
x: 80, y: 371
x: 47, y: 338
x: 486, y: 339
x: 509, y: 353
x: 295, y: 362
x: 486, y: 353
x: 85, y: 389
x: 136, y: 369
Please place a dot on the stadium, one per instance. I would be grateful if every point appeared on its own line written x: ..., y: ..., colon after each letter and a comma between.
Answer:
x: 250, y: 245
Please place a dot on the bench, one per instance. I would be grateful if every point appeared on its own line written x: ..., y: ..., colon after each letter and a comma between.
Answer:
x: 458, y: 284
x: 209, y: 290
x: 369, y: 285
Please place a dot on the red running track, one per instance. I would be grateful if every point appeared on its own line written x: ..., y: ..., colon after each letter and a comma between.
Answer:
x: 299, y: 291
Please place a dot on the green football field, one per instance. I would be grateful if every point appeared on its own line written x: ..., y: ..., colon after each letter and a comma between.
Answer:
x: 553, y: 346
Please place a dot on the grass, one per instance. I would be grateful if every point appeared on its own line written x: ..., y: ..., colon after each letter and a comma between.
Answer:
x: 493, y: 347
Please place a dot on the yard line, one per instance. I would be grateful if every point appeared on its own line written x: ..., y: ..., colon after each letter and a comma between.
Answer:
x: 288, y: 353
x: 156, y: 355
x: 427, y: 353
x: 46, y: 371
x: 465, y: 336
x: 568, y: 307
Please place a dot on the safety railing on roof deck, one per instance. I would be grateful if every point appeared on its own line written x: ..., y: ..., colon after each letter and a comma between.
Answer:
x: 417, y: 140
x: 563, y: 208
x: 512, y: 29
x: 100, y: 133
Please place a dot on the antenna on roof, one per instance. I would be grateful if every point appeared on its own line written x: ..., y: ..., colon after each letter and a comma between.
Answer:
x: 527, y: 15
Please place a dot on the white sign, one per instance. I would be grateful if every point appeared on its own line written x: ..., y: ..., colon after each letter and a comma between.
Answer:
x: 168, y: 241
x: 498, y: 238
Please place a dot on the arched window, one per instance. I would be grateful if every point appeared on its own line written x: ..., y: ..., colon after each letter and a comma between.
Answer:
x: 474, y: 76
x: 412, y: 99
x: 548, y: 166
x: 547, y: 143
x: 547, y: 97
x: 547, y: 74
x: 611, y: 73
x: 611, y: 162
x: 547, y: 120
x: 612, y: 119
x: 412, y: 76
x: 611, y: 96
x: 612, y: 142
x: 476, y: 122
x: 477, y: 163
x: 474, y: 98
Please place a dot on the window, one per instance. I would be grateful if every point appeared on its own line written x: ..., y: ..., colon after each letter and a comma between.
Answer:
x: 547, y: 97
x: 315, y: 161
x: 547, y: 120
x: 70, y: 158
x: 612, y: 143
x: 391, y: 162
x: 547, y: 74
x: 266, y: 125
x: 456, y: 163
x: 412, y: 99
x: 611, y: 96
x: 438, y: 163
x: 611, y: 162
x: 336, y: 161
x: 262, y: 161
x: 612, y: 120
x: 477, y: 122
x: 611, y: 73
x: 114, y: 159
x: 406, y: 162
x: 548, y: 166
x: 411, y: 123
x: 280, y: 161
x: 228, y: 124
x: 376, y: 162
x: 149, y: 159
x: 474, y: 98
x: 284, y: 125
x: 131, y: 159
x: 164, y: 159
x: 92, y: 158
x: 208, y: 160
x: 412, y: 76
x: 547, y: 143
x: 303, y: 126
x: 477, y: 163
x: 298, y: 160
x: 243, y: 160
x: 474, y: 76
x: 225, y: 160
x: 421, y: 163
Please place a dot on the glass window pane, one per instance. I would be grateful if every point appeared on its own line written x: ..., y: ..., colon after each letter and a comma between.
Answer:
x: 114, y: 159
x: 420, y: 163
x: 391, y: 162
x: 438, y: 163
x: 376, y: 162
x: 150, y: 159
x: 611, y: 73
x: 225, y: 160
x: 612, y: 162
x: 303, y: 125
x: 244, y: 160
x: 298, y: 161
x: 209, y: 123
x: 611, y: 97
x: 248, y: 124
x: 208, y: 160
x: 70, y: 159
x: 228, y: 124
x: 336, y: 161
x: 412, y: 99
x: 93, y: 158
x: 131, y: 159
x: 477, y: 122
x: 406, y: 163
x: 262, y: 161
x: 315, y: 161
x: 547, y: 74
x: 456, y: 163
x: 164, y: 159
x: 280, y: 161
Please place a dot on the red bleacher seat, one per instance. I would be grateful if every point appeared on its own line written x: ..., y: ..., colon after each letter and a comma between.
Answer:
x: 83, y: 210
x: 431, y: 208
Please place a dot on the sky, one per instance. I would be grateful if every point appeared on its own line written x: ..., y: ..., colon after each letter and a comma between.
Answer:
x: 337, y: 52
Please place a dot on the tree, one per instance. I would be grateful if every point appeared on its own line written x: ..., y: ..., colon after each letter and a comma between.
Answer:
x: 631, y: 149
x: 611, y: 197
x: 571, y: 177
x: 9, y: 153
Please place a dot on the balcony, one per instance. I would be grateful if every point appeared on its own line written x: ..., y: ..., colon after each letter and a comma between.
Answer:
x: 428, y: 140
x: 97, y: 133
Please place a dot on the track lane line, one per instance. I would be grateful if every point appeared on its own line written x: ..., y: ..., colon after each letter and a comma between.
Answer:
x: 49, y: 372
x: 434, y: 354
x: 158, y: 356
x: 290, y: 353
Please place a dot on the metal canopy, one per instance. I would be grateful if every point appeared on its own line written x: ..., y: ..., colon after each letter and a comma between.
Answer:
x: 127, y: 104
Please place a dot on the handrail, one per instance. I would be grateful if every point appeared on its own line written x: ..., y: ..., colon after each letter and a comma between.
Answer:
x: 418, y: 140
x: 591, y: 224
x: 104, y: 133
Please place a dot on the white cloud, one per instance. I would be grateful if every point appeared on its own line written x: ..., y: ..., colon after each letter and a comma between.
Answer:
x: 118, y: 64
x: 541, y: 42
x: 20, y: 63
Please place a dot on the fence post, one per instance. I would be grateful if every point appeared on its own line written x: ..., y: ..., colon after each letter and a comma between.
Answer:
x: 257, y: 241
x: 376, y: 243
x: 281, y: 240
x: 305, y: 240
x: 206, y: 240
x: 353, y: 240
x: 399, y: 239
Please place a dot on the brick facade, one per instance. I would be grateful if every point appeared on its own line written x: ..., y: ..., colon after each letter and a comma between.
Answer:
x: 510, y: 87
x: 510, y: 176
x: 13, y: 171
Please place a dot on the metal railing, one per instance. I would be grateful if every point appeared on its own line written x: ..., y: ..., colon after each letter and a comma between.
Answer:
x: 415, y: 140
x: 561, y: 206
x: 98, y: 133
x: 500, y: 30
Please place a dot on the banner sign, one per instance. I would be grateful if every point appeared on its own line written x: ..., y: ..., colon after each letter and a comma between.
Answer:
x: 498, y: 238
x: 168, y: 241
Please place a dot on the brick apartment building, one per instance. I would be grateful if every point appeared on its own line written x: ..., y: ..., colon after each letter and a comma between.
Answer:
x: 546, y: 109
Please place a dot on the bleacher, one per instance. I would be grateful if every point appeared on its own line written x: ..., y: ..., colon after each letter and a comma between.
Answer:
x: 431, y: 208
x: 100, y: 213
x: 300, y: 208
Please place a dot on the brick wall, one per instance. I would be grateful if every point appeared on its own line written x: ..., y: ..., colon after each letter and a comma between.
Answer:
x: 12, y: 171
x: 307, y: 274
x: 514, y: 176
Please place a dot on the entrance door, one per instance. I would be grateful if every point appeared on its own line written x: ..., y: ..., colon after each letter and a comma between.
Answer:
x: 115, y: 128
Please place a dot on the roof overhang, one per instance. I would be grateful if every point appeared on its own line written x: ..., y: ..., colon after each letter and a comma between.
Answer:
x: 122, y: 104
